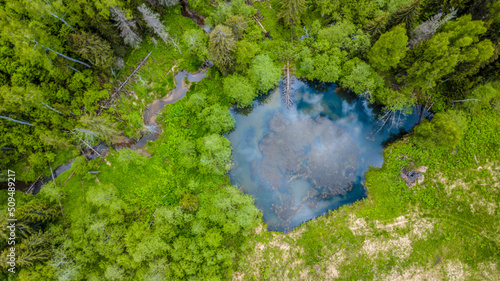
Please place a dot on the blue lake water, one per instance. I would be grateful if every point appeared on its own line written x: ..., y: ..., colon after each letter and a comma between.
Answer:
x: 298, y: 163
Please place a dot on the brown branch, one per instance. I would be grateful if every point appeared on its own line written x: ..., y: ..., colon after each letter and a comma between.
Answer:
x: 55, y: 186
x: 33, y: 184
x: 68, y: 179
x: 255, y: 18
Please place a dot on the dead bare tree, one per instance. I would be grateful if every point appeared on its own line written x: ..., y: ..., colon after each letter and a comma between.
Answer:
x: 154, y: 22
x: 287, y: 93
x: 125, y: 26
x: 428, y: 28
x: 168, y: 3
x: 261, y: 26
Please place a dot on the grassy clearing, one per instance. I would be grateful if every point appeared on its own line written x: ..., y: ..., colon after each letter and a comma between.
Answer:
x: 444, y: 228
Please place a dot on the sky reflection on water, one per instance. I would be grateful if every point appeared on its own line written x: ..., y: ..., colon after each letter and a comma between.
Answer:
x: 299, y: 163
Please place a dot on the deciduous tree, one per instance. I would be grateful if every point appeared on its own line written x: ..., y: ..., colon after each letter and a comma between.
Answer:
x: 360, y: 77
x: 263, y: 73
x: 239, y: 89
x: 444, y: 131
x: 196, y: 40
x: 215, y: 154
x: 326, y: 67
x: 389, y: 49
x: 217, y: 119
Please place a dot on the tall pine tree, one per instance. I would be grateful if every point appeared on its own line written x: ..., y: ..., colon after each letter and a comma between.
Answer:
x: 221, y: 47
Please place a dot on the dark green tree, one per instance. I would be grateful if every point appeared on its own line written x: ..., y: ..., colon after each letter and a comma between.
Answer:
x: 221, y: 47
x: 376, y: 26
x: 406, y: 14
x: 291, y: 11
x: 189, y: 203
x: 94, y: 49
x: 238, y: 25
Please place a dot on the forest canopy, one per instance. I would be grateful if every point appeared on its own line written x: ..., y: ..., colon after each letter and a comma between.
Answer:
x: 76, y: 74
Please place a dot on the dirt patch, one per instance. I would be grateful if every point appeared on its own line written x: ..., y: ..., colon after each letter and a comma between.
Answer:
x: 358, y: 226
x: 333, y: 264
x: 259, y: 229
x: 400, y: 222
x: 400, y: 247
x: 487, y: 271
x: 448, y: 270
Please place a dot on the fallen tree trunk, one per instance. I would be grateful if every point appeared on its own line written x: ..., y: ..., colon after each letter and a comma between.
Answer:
x: 133, y: 73
x: 287, y: 94
x: 258, y: 22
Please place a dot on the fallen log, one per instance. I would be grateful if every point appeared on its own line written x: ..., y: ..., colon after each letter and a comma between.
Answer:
x: 133, y: 73
x: 287, y: 94
x: 255, y: 18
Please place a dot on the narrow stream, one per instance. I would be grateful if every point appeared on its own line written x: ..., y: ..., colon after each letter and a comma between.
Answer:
x: 149, y: 119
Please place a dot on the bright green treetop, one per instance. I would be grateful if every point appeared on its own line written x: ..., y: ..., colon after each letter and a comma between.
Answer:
x: 360, y: 77
x: 458, y: 43
x: 389, y: 49
x: 263, y: 73
x: 240, y: 89
x: 444, y: 131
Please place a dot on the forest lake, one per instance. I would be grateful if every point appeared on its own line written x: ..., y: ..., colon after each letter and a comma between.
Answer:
x: 301, y: 162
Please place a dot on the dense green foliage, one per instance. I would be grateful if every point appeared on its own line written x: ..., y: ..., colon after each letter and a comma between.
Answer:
x: 169, y: 211
x: 445, y: 130
x: 389, y: 49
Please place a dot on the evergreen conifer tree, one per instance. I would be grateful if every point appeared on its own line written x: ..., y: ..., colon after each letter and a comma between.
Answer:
x: 406, y: 14
x: 291, y: 10
x: 94, y: 49
x: 154, y: 22
x: 221, y: 47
